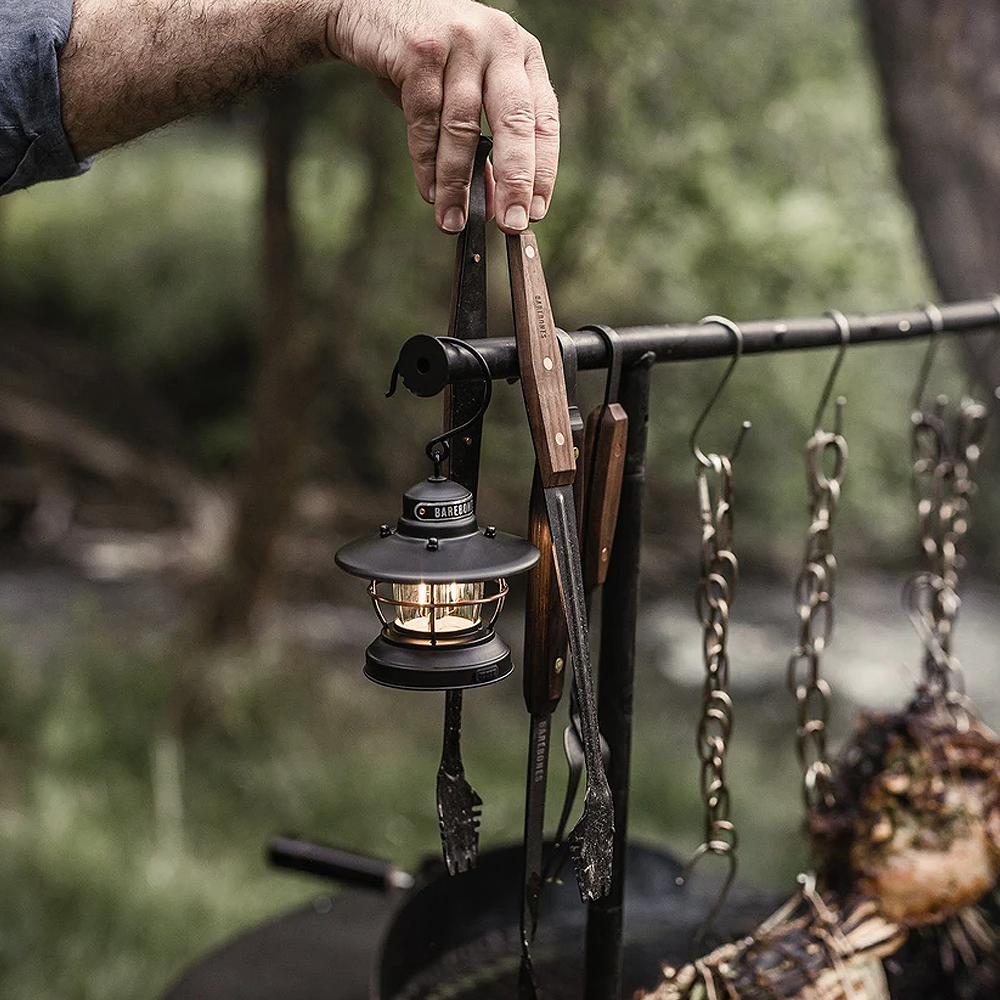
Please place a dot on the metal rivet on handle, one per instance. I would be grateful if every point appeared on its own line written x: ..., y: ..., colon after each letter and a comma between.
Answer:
x: 529, y: 251
x: 560, y: 438
x: 547, y: 364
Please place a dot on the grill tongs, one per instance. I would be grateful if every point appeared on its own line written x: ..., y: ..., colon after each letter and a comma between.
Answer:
x: 544, y: 387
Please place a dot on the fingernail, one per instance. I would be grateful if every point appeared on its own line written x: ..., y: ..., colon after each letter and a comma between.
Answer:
x: 432, y: 193
x: 537, y: 208
x: 516, y: 218
x: 454, y: 220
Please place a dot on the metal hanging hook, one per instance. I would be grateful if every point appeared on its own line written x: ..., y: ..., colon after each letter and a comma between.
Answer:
x: 936, y: 320
x: 703, y: 459
x: 613, y: 342
x: 437, y: 448
x: 845, y: 339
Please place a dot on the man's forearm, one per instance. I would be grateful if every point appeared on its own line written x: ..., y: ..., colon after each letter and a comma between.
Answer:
x: 130, y: 66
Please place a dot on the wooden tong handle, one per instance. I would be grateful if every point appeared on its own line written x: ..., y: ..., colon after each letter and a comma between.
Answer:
x: 607, y: 437
x: 542, y: 380
x: 545, y: 625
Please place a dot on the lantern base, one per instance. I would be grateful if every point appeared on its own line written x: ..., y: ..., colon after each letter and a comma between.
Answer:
x: 438, y: 668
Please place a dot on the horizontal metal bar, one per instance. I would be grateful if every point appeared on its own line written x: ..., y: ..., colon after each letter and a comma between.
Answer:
x: 427, y: 366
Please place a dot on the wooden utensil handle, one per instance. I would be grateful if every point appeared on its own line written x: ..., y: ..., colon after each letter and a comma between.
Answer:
x: 545, y: 626
x: 607, y: 437
x: 542, y: 380
x: 580, y: 484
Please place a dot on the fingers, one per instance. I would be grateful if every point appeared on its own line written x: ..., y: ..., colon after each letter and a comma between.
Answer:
x: 458, y: 138
x: 510, y: 111
x: 546, y: 131
x: 421, y: 95
x: 454, y: 61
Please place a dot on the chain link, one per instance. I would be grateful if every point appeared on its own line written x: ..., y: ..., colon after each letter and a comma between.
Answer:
x: 946, y: 451
x: 714, y: 597
x: 826, y: 464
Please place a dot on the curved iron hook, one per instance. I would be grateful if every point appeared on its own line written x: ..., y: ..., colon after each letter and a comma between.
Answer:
x: 614, y: 345
x: 845, y: 339
x: 703, y: 460
x: 437, y: 448
x: 936, y: 320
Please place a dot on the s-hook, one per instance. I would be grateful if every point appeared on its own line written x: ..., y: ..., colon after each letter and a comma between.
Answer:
x: 936, y: 320
x: 703, y: 459
x: 844, y: 327
x: 716, y: 590
x: 437, y: 448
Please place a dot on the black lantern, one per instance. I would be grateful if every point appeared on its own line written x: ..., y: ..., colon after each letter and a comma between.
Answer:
x: 438, y: 582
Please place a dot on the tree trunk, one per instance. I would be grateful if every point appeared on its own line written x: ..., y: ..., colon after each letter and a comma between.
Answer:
x: 284, y: 384
x: 350, y: 290
x: 939, y: 62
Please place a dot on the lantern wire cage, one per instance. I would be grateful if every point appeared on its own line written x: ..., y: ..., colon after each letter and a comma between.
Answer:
x: 438, y: 612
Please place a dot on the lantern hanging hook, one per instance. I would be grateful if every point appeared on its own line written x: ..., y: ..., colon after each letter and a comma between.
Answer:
x: 844, y: 326
x: 437, y: 448
x: 703, y: 459
x: 936, y: 320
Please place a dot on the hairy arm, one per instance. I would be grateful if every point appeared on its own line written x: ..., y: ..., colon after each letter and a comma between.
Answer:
x: 130, y: 66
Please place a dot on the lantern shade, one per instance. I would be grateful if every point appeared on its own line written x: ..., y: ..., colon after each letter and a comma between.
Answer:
x: 437, y: 540
x: 398, y: 559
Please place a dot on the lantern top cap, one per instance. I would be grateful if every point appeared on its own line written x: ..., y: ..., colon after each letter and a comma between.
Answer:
x: 438, y: 507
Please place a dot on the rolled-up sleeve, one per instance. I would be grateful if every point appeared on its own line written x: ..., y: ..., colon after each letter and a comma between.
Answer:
x: 33, y: 142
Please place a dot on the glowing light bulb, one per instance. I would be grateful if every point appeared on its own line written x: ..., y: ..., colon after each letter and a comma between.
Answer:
x: 440, y: 608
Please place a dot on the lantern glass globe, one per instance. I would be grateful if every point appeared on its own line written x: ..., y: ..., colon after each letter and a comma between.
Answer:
x: 426, y: 608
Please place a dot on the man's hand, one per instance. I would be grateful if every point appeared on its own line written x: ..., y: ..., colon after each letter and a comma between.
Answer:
x: 445, y: 62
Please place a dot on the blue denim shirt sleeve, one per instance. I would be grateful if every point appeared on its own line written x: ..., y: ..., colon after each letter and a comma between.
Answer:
x: 33, y: 142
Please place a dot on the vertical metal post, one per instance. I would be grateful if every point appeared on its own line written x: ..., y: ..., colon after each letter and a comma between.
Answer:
x: 619, y: 616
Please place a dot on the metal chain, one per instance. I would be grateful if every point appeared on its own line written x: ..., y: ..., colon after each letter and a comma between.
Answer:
x: 946, y: 451
x: 826, y: 463
x: 714, y: 597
